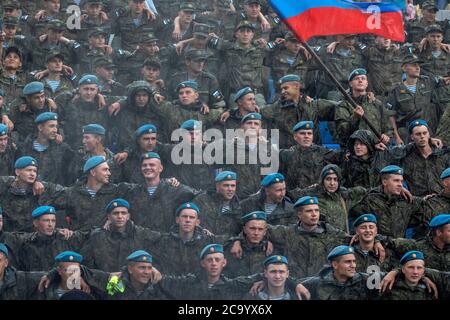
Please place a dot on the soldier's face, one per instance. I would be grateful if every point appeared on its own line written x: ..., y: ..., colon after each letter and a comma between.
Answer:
x: 151, y: 48
x: 360, y: 149
x: 136, y: 7
x: 37, y: 101
x: 309, y: 215
x: 186, y: 16
x: 247, y: 103
x: 27, y: 175
x: 45, y: 224
x: 119, y: 217
x: 227, y: 189
x: 255, y: 231
x: 413, y: 271
x: 304, y: 138
x: 49, y: 129
x: 93, y: 10
x: 359, y: 83
x: 293, y: 46
x: 3, y: 143
x: 421, y: 136
x: 193, y: 137
x: 429, y: 15
x: 151, y: 73
x: 91, y: 142
x: 54, y: 34
x: 147, y: 142
x: 393, y: 184
x: 367, y: 231
x: 213, y: 264
x: 141, y: 272
x: 187, y: 96
x: 252, y: 128
x: 276, y: 275
x: 383, y: 42
x: 290, y: 90
x: 141, y: 99
x: 3, y: 264
x: 53, y: 6
x: 11, y: 12
x: 345, y: 266
x: 10, y: 31
x: 88, y: 92
x: 187, y: 220
x: 151, y: 168
x: 244, y: 36
x: 97, y: 41
x: 101, y: 173
x: 442, y: 233
x: 55, y: 65
x: 412, y: 70
x: 331, y: 183
x: 105, y: 73
x: 435, y: 39
x: 252, y: 10
x: 276, y: 192
x: 12, y: 61
x: 196, y: 65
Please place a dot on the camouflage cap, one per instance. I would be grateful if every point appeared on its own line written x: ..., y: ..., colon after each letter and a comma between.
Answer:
x: 411, y: 59
x: 54, y: 54
x: 245, y: 24
x: 97, y: 32
x: 196, y: 54
x: 152, y: 62
x: 56, y: 24
x: 10, y: 21
x: 430, y: 5
x: 11, y: 4
x: 148, y: 38
x: 252, y: 1
x: 104, y: 62
x: 201, y: 29
x: 187, y: 6
x: 289, y: 36
x: 433, y: 28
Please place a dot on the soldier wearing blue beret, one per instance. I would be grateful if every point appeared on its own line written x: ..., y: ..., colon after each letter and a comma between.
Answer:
x: 289, y: 78
x: 43, y: 210
x: 255, y: 215
x: 4, y: 250
x: 242, y: 93
x: 445, y: 174
x: 357, y: 72
x: 253, y: 116
x: 365, y: 218
x: 88, y: 79
x: 150, y: 155
x: 145, y: 129
x: 191, y: 125
x: 46, y: 116
x: 305, y: 201
x: 69, y: 256
x: 187, y: 206
x: 25, y: 161
x: 303, y: 125
x: 140, y: 256
x: 94, y: 128
x: 33, y: 88
x: 93, y: 162
x: 440, y: 220
x: 271, y: 179
x: 391, y: 169
x: 211, y: 249
x: 416, y: 123
x: 226, y: 176
x: 187, y: 84
x: 117, y: 203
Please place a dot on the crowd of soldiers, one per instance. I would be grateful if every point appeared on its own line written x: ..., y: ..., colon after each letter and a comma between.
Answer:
x: 95, y: 203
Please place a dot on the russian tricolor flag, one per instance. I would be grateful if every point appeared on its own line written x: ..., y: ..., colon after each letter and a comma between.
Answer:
x: 309, y: 18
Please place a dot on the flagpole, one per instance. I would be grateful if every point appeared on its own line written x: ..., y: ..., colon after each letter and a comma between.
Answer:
x: 347, y: 96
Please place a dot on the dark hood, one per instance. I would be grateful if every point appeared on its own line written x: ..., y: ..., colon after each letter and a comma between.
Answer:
x: 366, y: 137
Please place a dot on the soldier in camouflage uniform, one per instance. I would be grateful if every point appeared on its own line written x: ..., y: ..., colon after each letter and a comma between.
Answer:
x: 246, y: 103
x: 440, y: 202
x: 54, y: 157
x: 415, y: 29
x: 252, y: 13
x: 12, y: 80
x: 13, y: 39
x: 49, y: 12
x: 12, y: 8
x: 56, y: 82
x: 272, y: 200
x: 13, y: 241
x: 220, y: 207
x: 302, y: 163
x: 93, y: 19
x: 8, y: 152
x: 348, y: 119
x: 105, y: 71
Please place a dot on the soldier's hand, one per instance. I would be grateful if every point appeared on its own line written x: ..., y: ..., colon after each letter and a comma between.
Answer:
x: 269, y: 248
x: 446, y: 80
x: 422, y: 44
x: 354, y: 239
x: 265, y: 25
x: 224, y: 116
x: 380, y: 146
x: 236, y: 250
x: 429, y: 196
x: 358, y: 112
x: 158, y: 98
x: 84, y: 286
x: 23, y: 107
x: 160, y: 83
x: 379, y: 251
x: 156, y: 276
x: 371, y: 97
x: 43, y: 37
x: 114, y: 108
x: 43, y: 283
x: 2, y: 36
x: 431, y: 286
x: 257, y: 287
x: 208, y: 233
x: 173, y: 182
x: 101, y: 102
x: 108, y: 49
x: 66, y: 233
x: 385, y: 139
x: 65, y: 40
x: 38, y: 188
x: 150, y: 14
x: 41, y: 14
x: 103, y: 16
x: 67, y: 70
x: 302, y: 292
x: 121, y: 157
x: 406, y: 195
x: 388, y: 281
x: 437, y: 143
x: 179, y: 47
x: 52, y: 105
x: 308, y: 99
x: 107, y: 225
x: 39, y: 75
x: 261, y: 42
x: 332, y: 46
x: 7, y: 122
x: 204, y: 109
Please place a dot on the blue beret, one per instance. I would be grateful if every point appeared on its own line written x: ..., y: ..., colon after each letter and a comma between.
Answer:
x: 275, y: 259
x: 33, y: 87
x: 146, y: 128
x: 187, y: 205
x: 188, y: 84
x: 24, y: 162
x: 340, y: 251
x: 392, y: 170
x: 88, y: 79
x: 69, y: 256
x: 305, y: 125
x: 369, y: 217
x: 255, y: 215
x: 210, y: 249
x: 94, y: 128
x: 445, y: 173
x: 251, y: 116
x: 304, y: 201
x: 271, y: 179
x: 92, y: 162
x: 357, y: 72
x: 115, y: 203
x: 226, y: 176
x: 244, y: 91
x: 416, y: 123
x: 150, y: 155
x: 412, y: 255
x: 3, y: 129
x: 140, y: 256
x: 4, y: 249
x: 191, y: 125
x: 440, y: 220
x: 40, y: 211
x: 45, y: 116
x: 289, y: 78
